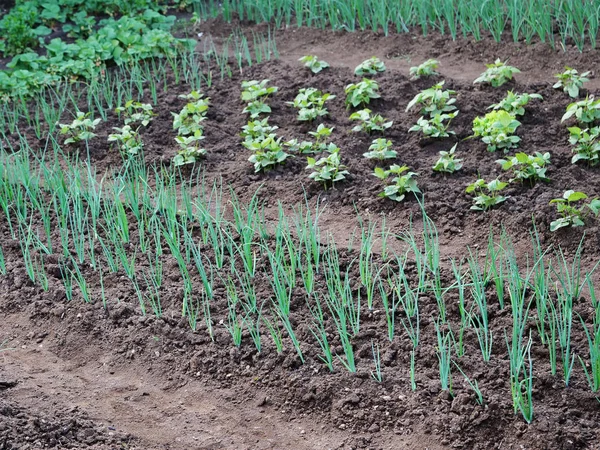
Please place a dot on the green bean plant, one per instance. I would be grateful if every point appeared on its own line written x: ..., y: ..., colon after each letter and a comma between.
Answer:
x: 486, y: 195
x: 369, y: 122
x: 436, y: 126
x: 128, y: 140
x: 403, y: 182
x: 313, y: 63
x: 81, y: 129
x: 425, y: 69
x: 371, y: 66
x: 515, y: 103
x: 572, y: 215
x: 571, y: 81
x: 310, y: 103
x: 327, y: 169
x: 448, y: 162
x: 380, y: 149
x: 136, y: 113
x: 434, y: 101
x: 586, y: 145
x: 584, y: 111
x: 497, y: 73
x: 527, y: 168
x: 361, y: 93
x: 497, y: 129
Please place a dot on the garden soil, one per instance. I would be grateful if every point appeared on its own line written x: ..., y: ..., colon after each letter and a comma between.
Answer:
x: 83, y: 376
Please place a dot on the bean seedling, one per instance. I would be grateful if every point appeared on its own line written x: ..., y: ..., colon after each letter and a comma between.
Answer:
x: 253, y: 90
x: 128, y: 140
x: 426, y: 69
x: 321, y: 136
x: 497, y: 74
x: 256, y: 108
x: 190, y: 150
x: 571, y: 215
x: 434, y: 101
x: 328, y: 170
x: 361, y: 93
x: 585, y: 111
x: 571, y: 81
x: 371, y: 66
x: 486, y: 194
x: 514, y: 103
x: 81, y: 129
x: 497, y: 129
x: 527, y: 167
x: 136, y: 112
x: 310, y: 103
x: 448, y: 163
x: 381, y: 149
x: 435, y: 126
x: 587, y: 147
x: 370, y: 122
x: 403, y: 183
x: 313, y: 63
x: 268, y: 153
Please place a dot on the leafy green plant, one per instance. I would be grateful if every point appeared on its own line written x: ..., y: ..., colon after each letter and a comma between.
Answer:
x: 572, y: 215
x: 527, y: 167
x: 257, y: 129
x: 435, y: 127
x: 81, y: 129
x: 361, y: 93
x: 587, y: 145
x: 434, y: 101
x: 256, y: 108
x: 426, y: 69
x: 268, y: 152
x: 313, y: 63
x: 136, y: 112
x: 571, y: 81
x: 321, y: 136
x: 254, y: 90
x: 370, y: 122
x: 448, y: 163
x: 496, y: 129
x: 302, y: 147
x: 190, y: 150
x: 585, y: 111
x: 82, y: 25
x: 310, y: 103
x: 515, y: 103
x: 128, y: 140
x: 19, y: 32
x: 380, y: 149
x: 328, y: 169
x: 371, y: 66
x: 497, y: 74
x: 189, y: 119
x: 486, y: 195
x: 403, y: 182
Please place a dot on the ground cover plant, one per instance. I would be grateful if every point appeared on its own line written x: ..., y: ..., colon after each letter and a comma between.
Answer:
x: 215, y: 218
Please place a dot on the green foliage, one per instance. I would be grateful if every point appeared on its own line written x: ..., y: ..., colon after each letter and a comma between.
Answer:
x: 253, y: 90
x: 258, y: 129
x: 370, y: 122
x: 128, y: 140
x: 587, y: 145
x: 448, y: 163
x: 486, y: 195
x: 302, y: 147
x: 321, y: 136
x: 427, y: 69
x: 497, y: 129
x: 585, y: 111
x: 571, y: 81
x: 571, y: 214
x: 256, y: 108
x: 189, y: 119
x: 136, y: 113
x: 434, y: 101
x: 314, y: 63
x: 310, y: 103
x: 268, y: 153
x: 497, y: 74
x: 328, y: 169
x: 527, y: 167
x: 190, y: 150
x: 82, y: 26
x: 371, y: 66
x: 81, y: 129
x: 380, y: 149
x: 361, y: 93
x: 403, y: 183
x: 515, y: 103
x: 436, y: 126
x: 18, y: 30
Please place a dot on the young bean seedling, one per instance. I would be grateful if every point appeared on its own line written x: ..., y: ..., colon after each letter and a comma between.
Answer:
x: 571, y: 81
x: 256, y: 108
x: 587, y: 146
x: 496, y: 129
x: 327, y: 170
x: 313, y: 63
x: 371, y: 66
x: 427, y: 69
x: 515, y: 103
x: 403, y: 183
x: 486, y: 194
x: 361, y: 93
x: 572, y: 215
x: 497, y: 74
x: 380, y: 149
x: 136, y: 113
x: 321, y: 136
x: 128, y: 140
x: 258, y: 129
x: 585, y: 111
x: 253, y: 90
x: 268, y: 153
x: 370, y: 122
x: 448, y: 163
x: 310, y: 103
x: 190, y: 150
x: 435, y: 127
x: 81, y: 129
x: 434, y: 101
x: 527, y: 168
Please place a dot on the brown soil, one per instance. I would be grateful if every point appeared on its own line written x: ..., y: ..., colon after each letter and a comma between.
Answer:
x: 114, y: 379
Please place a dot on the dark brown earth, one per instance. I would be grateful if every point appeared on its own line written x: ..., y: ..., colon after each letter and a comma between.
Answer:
x: 120, y: 380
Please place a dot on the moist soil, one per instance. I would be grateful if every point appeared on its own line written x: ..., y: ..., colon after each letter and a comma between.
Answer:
x: 83, y: 376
